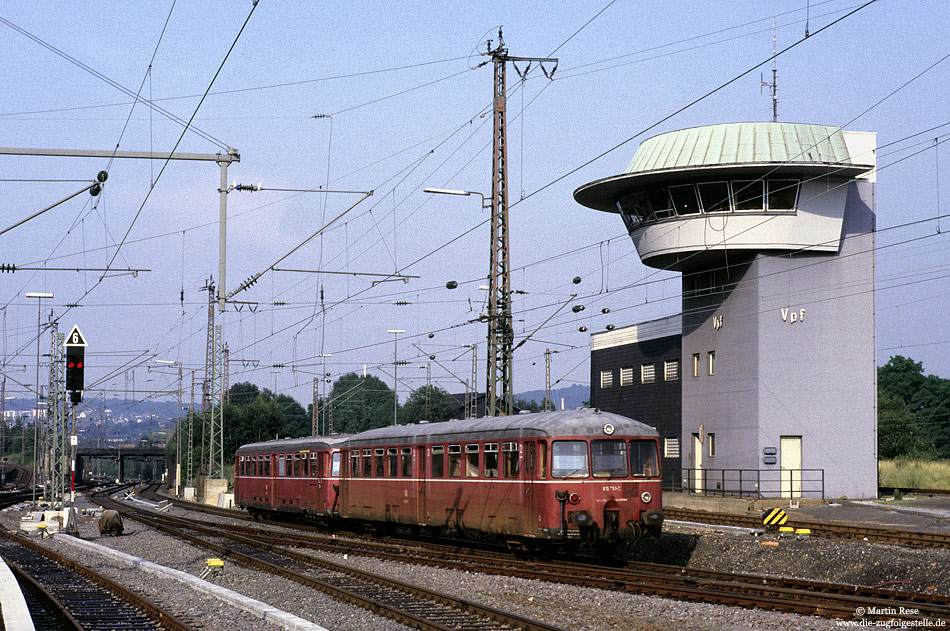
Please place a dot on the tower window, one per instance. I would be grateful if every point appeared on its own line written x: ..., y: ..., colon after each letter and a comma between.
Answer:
x: 606, y: 378
x: 782, y: 194
x: 626, y: 376
x: 671, y: 447
x: 684, y: 199
x: 671, y: 370
x: 748, y: 194
x: 647, y: 373
x: 715, y: 196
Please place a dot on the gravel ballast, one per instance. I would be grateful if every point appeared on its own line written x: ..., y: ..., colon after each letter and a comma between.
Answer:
x: 562, y: 605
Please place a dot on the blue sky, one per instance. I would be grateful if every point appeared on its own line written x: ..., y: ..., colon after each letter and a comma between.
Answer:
x: 384, y: 97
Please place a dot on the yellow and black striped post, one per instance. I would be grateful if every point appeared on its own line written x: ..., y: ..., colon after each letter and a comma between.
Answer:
x: 773, y: 518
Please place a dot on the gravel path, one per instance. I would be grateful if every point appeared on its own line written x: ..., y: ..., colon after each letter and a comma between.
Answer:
x: 565, y: 606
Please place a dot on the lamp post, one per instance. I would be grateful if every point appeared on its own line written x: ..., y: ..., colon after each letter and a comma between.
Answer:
x: 395, y: 333
x: 36, y: 417
x: 500, y: 332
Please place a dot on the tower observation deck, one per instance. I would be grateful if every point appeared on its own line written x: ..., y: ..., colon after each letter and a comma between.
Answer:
x: 690, y: 197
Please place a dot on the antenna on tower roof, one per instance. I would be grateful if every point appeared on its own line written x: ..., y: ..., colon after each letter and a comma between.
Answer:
x: 773, y: 87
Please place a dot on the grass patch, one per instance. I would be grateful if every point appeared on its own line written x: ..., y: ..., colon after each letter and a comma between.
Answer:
x: 915, y: 474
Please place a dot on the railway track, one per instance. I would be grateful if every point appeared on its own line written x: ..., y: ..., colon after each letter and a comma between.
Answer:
x: 841, y: 530
x: 773, y: 593
x: 407, y: 604
x: 77, y: 597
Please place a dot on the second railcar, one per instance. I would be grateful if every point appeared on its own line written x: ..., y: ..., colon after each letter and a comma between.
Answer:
x: 299, y: 475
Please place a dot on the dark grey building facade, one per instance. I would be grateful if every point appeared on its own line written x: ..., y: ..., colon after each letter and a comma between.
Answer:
x: 636, y: 371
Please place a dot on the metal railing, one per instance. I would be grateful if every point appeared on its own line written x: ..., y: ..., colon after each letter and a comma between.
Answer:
x: 759, y: 483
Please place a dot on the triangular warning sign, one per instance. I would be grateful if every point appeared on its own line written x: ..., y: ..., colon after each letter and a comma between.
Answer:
x: 75, y: 338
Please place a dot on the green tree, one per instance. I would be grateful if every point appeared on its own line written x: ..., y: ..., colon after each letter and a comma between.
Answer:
x: 361, y: 403
x: 901, y: 378
x: 927, y: 400
x: 439, y: 403
x: 531, y: 406
x: 897, y: 432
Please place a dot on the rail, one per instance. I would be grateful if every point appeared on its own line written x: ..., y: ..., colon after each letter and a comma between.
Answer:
x: 755, y: 483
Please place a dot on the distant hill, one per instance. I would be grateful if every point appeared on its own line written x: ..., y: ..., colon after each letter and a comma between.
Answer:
x: 574, y: 396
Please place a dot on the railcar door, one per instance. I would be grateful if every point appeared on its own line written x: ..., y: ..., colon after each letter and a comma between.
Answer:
x: 530, y: 511
x: 421, y: 484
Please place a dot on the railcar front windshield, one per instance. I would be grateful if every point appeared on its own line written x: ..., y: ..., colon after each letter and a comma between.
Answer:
x: 569, y: 459
x: 608, y: 458
x: 643, y: 458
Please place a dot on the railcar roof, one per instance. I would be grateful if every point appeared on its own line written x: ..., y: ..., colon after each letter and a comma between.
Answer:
x: 292, y: 444
x: 579, y: 422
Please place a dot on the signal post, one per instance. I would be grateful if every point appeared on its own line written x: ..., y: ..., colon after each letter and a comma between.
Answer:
x: 75, y: 365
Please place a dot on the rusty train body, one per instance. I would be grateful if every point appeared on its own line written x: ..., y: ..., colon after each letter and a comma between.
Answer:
x: 576, y: 478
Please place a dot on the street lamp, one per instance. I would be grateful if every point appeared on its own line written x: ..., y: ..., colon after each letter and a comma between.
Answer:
x: 486, y: 203
x: 395, y: 333
x: 39, y: 309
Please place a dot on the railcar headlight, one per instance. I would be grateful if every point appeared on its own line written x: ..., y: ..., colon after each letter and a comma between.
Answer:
x: 646, y: 497
x: 574, y: 498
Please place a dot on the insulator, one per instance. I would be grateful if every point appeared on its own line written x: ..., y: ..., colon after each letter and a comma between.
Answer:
x: 8, y: 267
x: 610, y: 327
x: 95, y: 190
x: 451, y: 284
x: 605, y: 310
x: 577, y: 280
x: 431, y: 335
x: 582, y: 329
x: 102, y: 176
x: 431, y: 356
x: 577, y: 308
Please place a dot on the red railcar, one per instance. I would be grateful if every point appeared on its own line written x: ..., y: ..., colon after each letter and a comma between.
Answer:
x: 580, y: 476
x: 570, y: 478
x: 300, y: 475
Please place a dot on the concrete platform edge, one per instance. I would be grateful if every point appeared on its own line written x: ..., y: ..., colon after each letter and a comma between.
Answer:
x: 16, y: 613
x: 255, y: 607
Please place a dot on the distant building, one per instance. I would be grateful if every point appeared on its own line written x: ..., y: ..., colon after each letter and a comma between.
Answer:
x: 772, y: 227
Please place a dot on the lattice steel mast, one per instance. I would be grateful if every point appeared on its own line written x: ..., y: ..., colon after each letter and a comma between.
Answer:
x: 499, y: 394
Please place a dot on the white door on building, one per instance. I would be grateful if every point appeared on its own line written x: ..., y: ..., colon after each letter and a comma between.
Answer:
x: 697, y: 464
x: 791, y: 466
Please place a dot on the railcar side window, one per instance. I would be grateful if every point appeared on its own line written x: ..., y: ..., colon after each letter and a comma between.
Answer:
x: 455, y: 461
x: 281, y: 465
x: 569, y: 459
x: 267, y: 466
x: 355, y: 462
x: 438, y: 461
x: 509, y: 453
x: 406, y: 459
x: 316, y: 465
x: 367, y: 463
x: 608, y: 458
x: 643, y: 458
x: 392, y: 456
x: 491, y: 460
x: 378, y: 462
x: 335, y: 466
x: 298, y: 465
x: 471, y: 461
